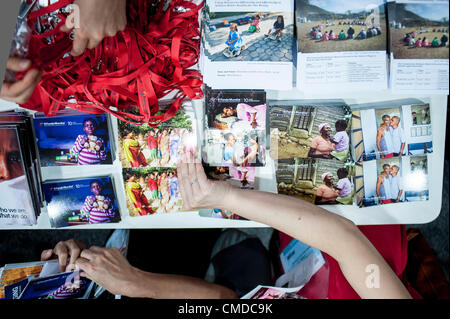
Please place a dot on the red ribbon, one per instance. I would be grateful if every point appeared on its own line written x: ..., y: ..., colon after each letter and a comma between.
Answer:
x: 126, y: 74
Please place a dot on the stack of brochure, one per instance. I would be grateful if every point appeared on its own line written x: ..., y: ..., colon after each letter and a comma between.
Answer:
x: 19, y: 171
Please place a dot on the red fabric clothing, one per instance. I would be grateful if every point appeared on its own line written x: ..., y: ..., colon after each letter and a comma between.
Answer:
x: 152, y: 184
x: 138, y: 157
x: 386, y: 201
x: 389, y: 155
x: 142, y: 203
x: 152, y: 142
x: 390, y: 241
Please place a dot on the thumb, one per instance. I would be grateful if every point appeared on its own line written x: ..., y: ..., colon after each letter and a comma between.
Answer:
x: 65, y: 28
x: 84, y: 265
x: 18, y: 64
x: 46, y: 254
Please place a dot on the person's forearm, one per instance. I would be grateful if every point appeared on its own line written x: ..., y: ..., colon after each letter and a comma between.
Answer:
x: 328, y: 232
x: 166, y: 286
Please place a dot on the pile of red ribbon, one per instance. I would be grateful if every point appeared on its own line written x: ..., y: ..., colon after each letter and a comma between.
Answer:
x: 128, y: 72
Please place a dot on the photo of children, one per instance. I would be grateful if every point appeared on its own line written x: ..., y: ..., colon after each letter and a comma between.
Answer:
x: 335, y: 26
x: 318, y: 181
x: 73, y: 140
x: 81, y: 202
x: 393, y: 180
x: 419, y: 30
x: 161, y: 146
x: 235, y: 148
x: 248, y: 36
x: 392, y: 132
x: 152, y: 190
x: 309, y: 131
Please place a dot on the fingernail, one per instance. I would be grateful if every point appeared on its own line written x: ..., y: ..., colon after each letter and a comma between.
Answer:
x: 24, y: 64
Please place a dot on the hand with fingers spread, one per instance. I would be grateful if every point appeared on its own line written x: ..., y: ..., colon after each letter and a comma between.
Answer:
x: 63, y: 250
x: 98, y: 19
x: 196, y: 189
x: 20, y: 91
x: 109, y: 269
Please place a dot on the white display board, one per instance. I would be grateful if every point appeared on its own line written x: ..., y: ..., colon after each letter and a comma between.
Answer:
x: 401, y: 213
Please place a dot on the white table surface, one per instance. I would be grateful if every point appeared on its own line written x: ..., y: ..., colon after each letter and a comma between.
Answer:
x: 401, y: 213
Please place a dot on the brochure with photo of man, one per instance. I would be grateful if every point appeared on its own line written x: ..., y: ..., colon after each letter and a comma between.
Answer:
x: 309, y: 130
x: 397, y: 130
x: 81, y: 202
x: 20, y: 177
x: 392, y: 180
x: 235, y: 123
x: 419, y: 46
x: 73, y: 138
x: 152, y: 190
x: 248, y: 45
x: 318, y: 181
x: 240, y: 177
x: 341, y: 45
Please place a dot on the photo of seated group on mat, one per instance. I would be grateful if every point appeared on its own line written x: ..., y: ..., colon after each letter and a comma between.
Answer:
x: 161, y: 146
x: 391, y: 132
x: 392, y: 180
x: 318, y: 181
x: 335, y: 26
x: 419, y: 30
x: 152, y: 190
x: 306, y: 131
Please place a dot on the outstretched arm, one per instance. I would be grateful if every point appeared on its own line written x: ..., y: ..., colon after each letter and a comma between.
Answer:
x: 308, y: 223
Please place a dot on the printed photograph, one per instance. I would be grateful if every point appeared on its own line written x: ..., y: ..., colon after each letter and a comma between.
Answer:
x: 393, y: 180
x: 274, y: 293
x: 391, y: 132
x: 81, y: 202
x: 248, y: 36
x: 152, y: 190
x: 17, y: 202
x: 419, y: 30
x: 336, y: 26
x: 235, y: 148
x: 318, y: 181
x: 241, y: 177
x: 235, y: 110
x: 160, y: 146
x: 309, y: 131
x: 73, y: 140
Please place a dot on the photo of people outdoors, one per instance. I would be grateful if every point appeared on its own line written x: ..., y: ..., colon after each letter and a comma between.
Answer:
x: 318, y: 181
x: 310, y: 131
x: 73, y: 140
x: 393, y: 180
x: 248, y: 36
x: 161, y: 146
x: 235, y: 148
x: 152, y: 190
x: 235, y: 110
x: 335, y: 26
x: 419, y: 30
x: 81, y: 202
x: 392, y: 132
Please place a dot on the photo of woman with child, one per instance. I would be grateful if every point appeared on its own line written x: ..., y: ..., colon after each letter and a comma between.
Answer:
x: 327, y: 146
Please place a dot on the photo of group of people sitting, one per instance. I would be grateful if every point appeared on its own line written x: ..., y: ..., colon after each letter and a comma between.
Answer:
x: 316, y: 33
x: 152, y: 190
x: 414, y: 40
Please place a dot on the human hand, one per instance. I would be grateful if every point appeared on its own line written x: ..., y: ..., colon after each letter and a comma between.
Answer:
x: 20, y: 91
x: 62, y: 251
x: 109, y: 269
x: 98, y: 19
x: 196, y: 189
